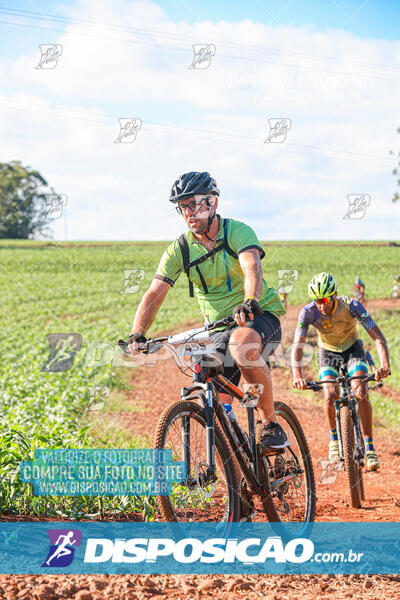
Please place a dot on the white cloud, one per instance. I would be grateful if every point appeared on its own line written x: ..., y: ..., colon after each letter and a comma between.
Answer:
x: 64, y: 122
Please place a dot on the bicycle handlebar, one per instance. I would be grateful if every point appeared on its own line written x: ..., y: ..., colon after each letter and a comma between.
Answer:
x: 153, y: 344
x: 226, y: 321
x: 317, y: 385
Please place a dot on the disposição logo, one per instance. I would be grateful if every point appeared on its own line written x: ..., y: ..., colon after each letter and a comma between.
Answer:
x: 62, y: 547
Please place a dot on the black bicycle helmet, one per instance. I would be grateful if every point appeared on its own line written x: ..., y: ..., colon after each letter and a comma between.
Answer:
x: 193, y: 183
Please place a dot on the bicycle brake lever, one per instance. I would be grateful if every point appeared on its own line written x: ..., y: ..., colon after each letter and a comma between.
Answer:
x: 122, y: 344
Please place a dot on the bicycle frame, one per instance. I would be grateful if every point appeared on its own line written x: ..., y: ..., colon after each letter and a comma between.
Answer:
x: 203, y: 383
x: 213, y: 407
x: 245, y: 455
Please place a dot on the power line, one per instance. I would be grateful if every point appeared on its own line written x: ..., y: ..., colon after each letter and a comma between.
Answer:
x: 181, y: 36
x: 191, y: 132
x: 184, y: 49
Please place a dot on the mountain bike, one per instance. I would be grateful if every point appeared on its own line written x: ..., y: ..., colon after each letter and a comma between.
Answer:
x: 351, y: 442
x: 225, y: 469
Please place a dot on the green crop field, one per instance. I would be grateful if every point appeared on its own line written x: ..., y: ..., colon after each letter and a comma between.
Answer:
x: 49, y: 288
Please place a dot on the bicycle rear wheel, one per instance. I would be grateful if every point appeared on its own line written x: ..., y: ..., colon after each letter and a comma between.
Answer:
x: 199, y: 498
x: 351, y: 462
x: 289, y: 484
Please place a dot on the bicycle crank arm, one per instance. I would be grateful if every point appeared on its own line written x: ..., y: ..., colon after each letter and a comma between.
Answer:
x: 278, y: 482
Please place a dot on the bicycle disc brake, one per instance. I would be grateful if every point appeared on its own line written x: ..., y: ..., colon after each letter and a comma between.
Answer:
x: 280, y: 471
x: 205, y: 477
x: 293, y: 468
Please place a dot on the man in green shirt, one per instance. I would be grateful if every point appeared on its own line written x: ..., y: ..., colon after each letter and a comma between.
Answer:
x: 223, y: 264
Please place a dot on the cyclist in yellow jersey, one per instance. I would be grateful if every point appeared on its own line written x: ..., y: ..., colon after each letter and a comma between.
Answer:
x: 335, y: 317
x: 396, y: 287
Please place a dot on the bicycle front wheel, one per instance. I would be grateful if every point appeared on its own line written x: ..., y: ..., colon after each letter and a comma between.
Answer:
x: 360, y: 462
x: 202, y: 497
x: 289, y: 496
x: 351, y: 462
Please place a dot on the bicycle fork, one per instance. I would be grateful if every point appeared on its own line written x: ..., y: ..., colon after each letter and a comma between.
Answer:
x: 356, y: 430
x: 207, y: 399
x: 342, y: 401
x: 338, y: 403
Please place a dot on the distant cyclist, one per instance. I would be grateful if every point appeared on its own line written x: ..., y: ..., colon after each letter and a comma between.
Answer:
x: 396, y: 287
x: 358, y: 289
x: 335, y: 318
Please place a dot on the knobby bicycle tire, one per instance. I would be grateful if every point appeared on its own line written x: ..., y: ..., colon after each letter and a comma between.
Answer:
x: 351, y: 464
x: 290, y: 422
x: 190, y: 409
x: 359, y: 464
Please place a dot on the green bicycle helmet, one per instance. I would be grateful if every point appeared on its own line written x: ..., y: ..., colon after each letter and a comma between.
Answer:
x: 322, y: 285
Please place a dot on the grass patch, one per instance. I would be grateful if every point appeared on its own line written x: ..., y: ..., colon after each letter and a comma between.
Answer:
x: 386, y: 410
x: 44, y: 283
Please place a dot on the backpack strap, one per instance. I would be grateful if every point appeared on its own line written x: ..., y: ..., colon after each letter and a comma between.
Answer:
x: 184, y: 246
x: 227, y: 246
x: 224, y: 246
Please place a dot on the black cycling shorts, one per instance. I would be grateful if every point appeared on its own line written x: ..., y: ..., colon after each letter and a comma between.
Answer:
x: 269, y: 328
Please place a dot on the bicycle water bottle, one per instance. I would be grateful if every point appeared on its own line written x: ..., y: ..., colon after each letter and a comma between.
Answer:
x: 229, y: 411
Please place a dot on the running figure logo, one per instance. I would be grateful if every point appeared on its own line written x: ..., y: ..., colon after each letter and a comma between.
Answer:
x: 128, y: 129
x: 55, y: 203
x: 203, y: 54
x: 330, y: 471
x: 286, y: 280
x: 278, y: 130
x: 50, y: 53
x: 62, y: 542
x: 63, y: 347
x: 358, y: 204
x: 132, y: 280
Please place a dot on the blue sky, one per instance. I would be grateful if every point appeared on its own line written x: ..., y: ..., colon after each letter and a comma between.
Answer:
x: 364, y: 18
x: 370, y: 18
x: 330, y: 69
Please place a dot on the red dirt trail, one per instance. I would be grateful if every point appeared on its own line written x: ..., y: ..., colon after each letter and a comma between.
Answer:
x: 155, y: 388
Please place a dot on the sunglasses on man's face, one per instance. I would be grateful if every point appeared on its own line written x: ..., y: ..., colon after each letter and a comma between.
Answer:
x: 325, y: 300
x: 192, y: 205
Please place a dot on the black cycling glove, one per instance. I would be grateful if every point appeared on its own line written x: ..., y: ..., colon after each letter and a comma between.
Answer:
x: 138, y: 337
x: 249, y: 307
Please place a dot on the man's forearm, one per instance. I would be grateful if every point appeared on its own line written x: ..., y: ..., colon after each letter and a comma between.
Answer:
x: 253, y: 281
x: 296, y: 360
x: 381, y: 345
x: 383, y: 351
x: 146, y: 312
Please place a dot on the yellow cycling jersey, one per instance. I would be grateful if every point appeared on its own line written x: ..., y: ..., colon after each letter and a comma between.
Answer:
x: 336, y: 332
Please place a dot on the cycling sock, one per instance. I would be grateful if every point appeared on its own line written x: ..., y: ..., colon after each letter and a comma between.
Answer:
x: 334, y: 436
x: 369, y: 444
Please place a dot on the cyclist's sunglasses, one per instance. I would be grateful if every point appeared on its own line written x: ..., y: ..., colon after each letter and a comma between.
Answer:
x: 192, y: 205
x: 325, y: 300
